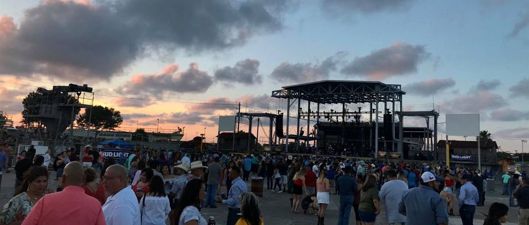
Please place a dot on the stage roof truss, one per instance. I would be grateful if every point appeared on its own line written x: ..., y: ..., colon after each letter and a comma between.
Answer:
x: 334, y: 92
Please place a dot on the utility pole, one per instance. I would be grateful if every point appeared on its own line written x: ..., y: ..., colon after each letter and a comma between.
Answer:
x: 523, y: 141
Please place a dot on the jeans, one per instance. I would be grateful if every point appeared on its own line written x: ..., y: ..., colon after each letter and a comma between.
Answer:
x: 346, y: 203
x: 269, y: 182
x: 505, y: 189
x: 233, y: 216
x: 467, y: 214
x: 523, y: 217
x: 211, y: 195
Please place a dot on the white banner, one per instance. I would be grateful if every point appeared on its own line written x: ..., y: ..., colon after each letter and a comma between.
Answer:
x: 226, y: 123
x: 462, y: 125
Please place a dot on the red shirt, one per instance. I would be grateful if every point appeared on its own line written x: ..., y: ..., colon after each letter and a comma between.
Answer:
x: 70, y: 206
x: 100, y: 194
x: 310, y: 179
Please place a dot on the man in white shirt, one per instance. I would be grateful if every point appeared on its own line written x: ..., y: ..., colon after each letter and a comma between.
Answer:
x: 121, y: 207
x: 391, y: 194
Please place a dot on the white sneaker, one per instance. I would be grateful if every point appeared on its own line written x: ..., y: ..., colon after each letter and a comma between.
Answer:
x: 280, y: 192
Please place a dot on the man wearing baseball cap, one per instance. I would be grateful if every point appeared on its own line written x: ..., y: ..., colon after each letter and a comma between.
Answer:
x: 423, y: 205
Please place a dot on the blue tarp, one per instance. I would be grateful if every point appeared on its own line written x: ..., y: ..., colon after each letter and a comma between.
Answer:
x: 117, y: 144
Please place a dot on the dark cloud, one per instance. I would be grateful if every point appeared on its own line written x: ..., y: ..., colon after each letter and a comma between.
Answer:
x: 429, y: 87
x: 170, y: 79
x: 521, y: 89
x: 488, y: 85
x: 69, y: 41
x: 521, y: 25
x: 187, y: 118
x: 214, y: 104
x: 244, y: 72
x: 134, y: 101
x: 508, y: 115
x: 349, y: 7
x: 306, y: 72
x: 473, y: 102
x: 200, y: 24
x: 257, y: 102
x: 78, y: 42
x: 399, y: 59
x: 513, y: 133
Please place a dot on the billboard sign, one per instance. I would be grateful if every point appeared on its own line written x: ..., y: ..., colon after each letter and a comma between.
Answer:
x: 462, y: 125
x: 226, y: 123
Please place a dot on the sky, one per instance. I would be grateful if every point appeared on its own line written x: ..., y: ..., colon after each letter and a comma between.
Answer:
x: 184, y: 63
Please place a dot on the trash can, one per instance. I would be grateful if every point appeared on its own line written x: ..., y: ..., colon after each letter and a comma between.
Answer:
x: 257, y: 186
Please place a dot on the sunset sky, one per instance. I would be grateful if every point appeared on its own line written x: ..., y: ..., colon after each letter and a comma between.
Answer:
x: 184, y: 63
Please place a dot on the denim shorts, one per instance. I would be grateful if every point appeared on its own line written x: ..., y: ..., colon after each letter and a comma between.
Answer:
x: 367, y: 217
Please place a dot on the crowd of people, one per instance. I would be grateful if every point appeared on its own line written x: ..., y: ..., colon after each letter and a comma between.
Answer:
x: 161, y: 188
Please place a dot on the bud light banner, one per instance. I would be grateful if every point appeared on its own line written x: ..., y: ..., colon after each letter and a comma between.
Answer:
x: 461, y: 157
x: 119, y: 155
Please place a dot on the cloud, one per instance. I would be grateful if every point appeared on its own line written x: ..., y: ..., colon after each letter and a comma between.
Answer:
x: 214, y: 104
x: 429, y: 87
x: 257, y: 102
x: 488, y: 85
x: 11, y: 100
x: 201, y: 24
x: 69, y: 41
x: 76, y: 40
x: 169, y: 79
x: 364, y: 6
x: 513, y: 133
x: 132, y: 116
x: 521, y: 89
x: 521, y: 25
x: 132, y: 101
x: 306, y: 72
x: 187, y: 118
x: 508, y: 115
x: 473, y: 102
x: 399, y: 59
x: 244, y: 72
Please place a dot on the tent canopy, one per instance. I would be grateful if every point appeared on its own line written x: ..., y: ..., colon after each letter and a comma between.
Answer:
x: 117, y: 144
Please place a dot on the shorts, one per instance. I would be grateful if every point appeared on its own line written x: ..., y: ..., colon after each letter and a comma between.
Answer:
x: 367, y: 217
x: 323, y: 197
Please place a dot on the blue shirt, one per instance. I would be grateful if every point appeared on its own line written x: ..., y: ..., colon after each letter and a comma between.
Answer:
x: 346, y: 185
x: 468, y: 195
x: 423, y: 206
x: 238, y: 187
x: 248, y: 164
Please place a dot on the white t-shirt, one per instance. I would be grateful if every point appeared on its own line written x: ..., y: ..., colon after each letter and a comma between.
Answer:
x: 154, y: 210
x: 191, y: 213
x: 122, y: 208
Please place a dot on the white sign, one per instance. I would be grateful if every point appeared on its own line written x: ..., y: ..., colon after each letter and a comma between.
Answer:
x: 462, y: 125
x: 226, y: 123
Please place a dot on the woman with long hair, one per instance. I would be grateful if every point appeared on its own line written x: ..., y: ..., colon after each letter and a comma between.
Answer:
x: 142, y: 186
x: 368, y: 208
x: 250, y: 212
x: 154, y: 205
x: 322, y: 194
x: 33, y: 187
x: 187, y: 211
x: 93, y: 185
x: 299, y: 188
x: 497, y: 214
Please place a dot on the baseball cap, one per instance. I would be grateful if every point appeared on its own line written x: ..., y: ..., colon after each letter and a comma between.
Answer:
x: 427, y: 177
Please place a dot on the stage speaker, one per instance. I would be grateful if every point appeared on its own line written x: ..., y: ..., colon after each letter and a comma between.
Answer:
x: 387, y: 127
x: 279, y: 126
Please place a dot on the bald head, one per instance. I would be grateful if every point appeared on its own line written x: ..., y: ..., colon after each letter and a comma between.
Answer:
x: 118, y: 171
x: 73, y: 174
x: 115, y: 178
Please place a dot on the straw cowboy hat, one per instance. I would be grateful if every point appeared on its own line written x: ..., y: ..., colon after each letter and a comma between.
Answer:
x: 197, y: 165
x: 182, y: 167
